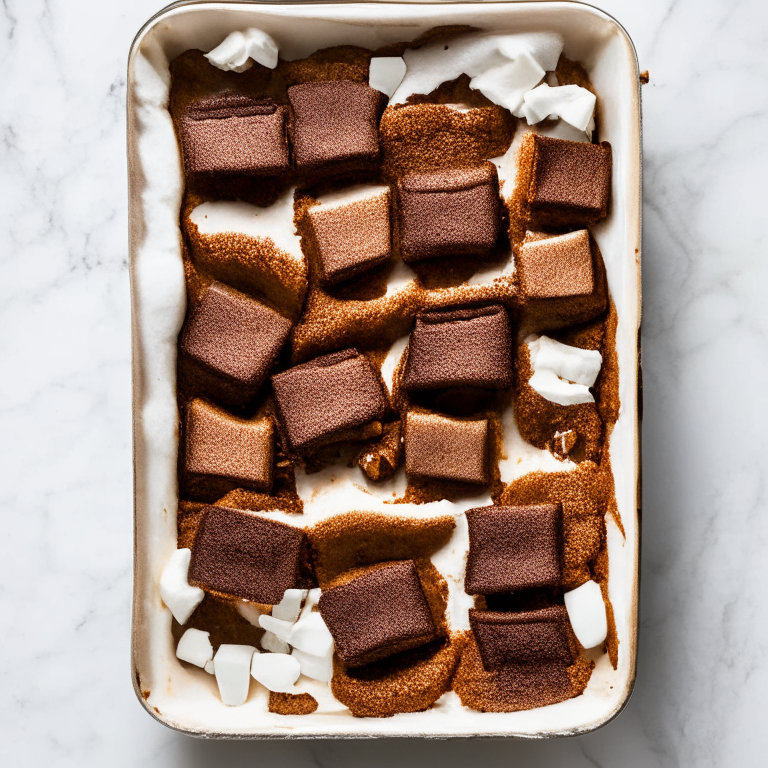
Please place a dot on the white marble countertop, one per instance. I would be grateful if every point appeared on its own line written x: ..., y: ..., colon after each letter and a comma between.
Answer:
x: 65, y: 554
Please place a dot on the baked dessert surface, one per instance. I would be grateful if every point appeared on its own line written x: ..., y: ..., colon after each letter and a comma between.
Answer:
x: 282, y: 374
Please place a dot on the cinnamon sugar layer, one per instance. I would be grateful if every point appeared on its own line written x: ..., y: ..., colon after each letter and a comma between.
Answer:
x: 365, y: 313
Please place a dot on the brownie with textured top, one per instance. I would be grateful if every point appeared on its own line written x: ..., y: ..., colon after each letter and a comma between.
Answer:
x: 332, y: 398
x: 351, y: 237
x: 460, y: 348
x: 529, y: 637
x: 569, y: 181
x: 235, y: 338
x: 220, y: 445
x: 234, y: 134
x: 556, y: 267
x: 378, y: 614
x: 445, y: 448
x: 335, y: 125
x: 514, y: 548
x: 448, y: 212
x: 242, y: 555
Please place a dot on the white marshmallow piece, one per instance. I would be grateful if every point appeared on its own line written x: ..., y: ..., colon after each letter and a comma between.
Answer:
x: 317, y: 667
x: 572, y: 103
x: 272, y: 643
x: 195, y: 647
x: 276, y: 672
x: 581, y: 366
x: 232, y: 667
x: 209, y: 668
x: 386, y: 73
x: 289, y: 607
x: 309, y: 634
x: 563, y: 374
x: 554, y: 389
x: 177, y: 594
x: 474, y: 55
x: 238, y: 48
x: 280, y: 628
x: 586, y: 610
x: 507, y: 85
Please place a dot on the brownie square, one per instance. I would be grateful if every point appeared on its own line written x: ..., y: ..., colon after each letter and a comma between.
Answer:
x: 460, y: 348
x: 378, y: 614
x: 556, y: 267
x: 221, y: 445
x: 335, y: 125
x: 330, y: 398
x: 246, y: 556
x: 351, y: 237
x: 235, y: 337
x: 570, y: 181
x: 448, y: 212
x: 512, y: 548
x: 235, y: 134
x: 446, y: 449
x: 531, y: 637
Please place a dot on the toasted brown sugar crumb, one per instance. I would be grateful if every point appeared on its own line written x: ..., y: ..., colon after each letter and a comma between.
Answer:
x: 356, y: 539
x: 423, y: 137
x: 516, y: 687
x: 292, y: 703
x: 251, y: 264
x: 409, y: 682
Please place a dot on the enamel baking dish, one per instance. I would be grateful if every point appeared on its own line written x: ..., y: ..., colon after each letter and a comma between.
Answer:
x: 187, y: 700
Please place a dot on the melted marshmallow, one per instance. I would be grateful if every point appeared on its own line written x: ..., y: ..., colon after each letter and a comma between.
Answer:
x: 572, y: 103
x: 476, y: 55
x: 386, y: 73
x: 274, y: 223
x: 563, y: 374
x: 239, y: 50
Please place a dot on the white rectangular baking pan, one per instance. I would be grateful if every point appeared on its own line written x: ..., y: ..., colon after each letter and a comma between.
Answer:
x: 189, y: 702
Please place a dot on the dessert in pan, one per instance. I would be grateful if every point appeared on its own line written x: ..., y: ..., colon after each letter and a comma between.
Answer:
x: 391, y: 273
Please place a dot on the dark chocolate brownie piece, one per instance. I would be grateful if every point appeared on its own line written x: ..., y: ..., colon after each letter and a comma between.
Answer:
x: 570, y: 181
x: 234, y: 337
x: 378, y: 614
x: 246, y: 556
x: 532, y: 637
x: 222, y: 445
x: 513, y: 548
x: 448, y: 212
x: 235, y: 134
x: 446, y: 448
x: 460, y: 348
x: 335, y: 125
x: 331, y: 398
